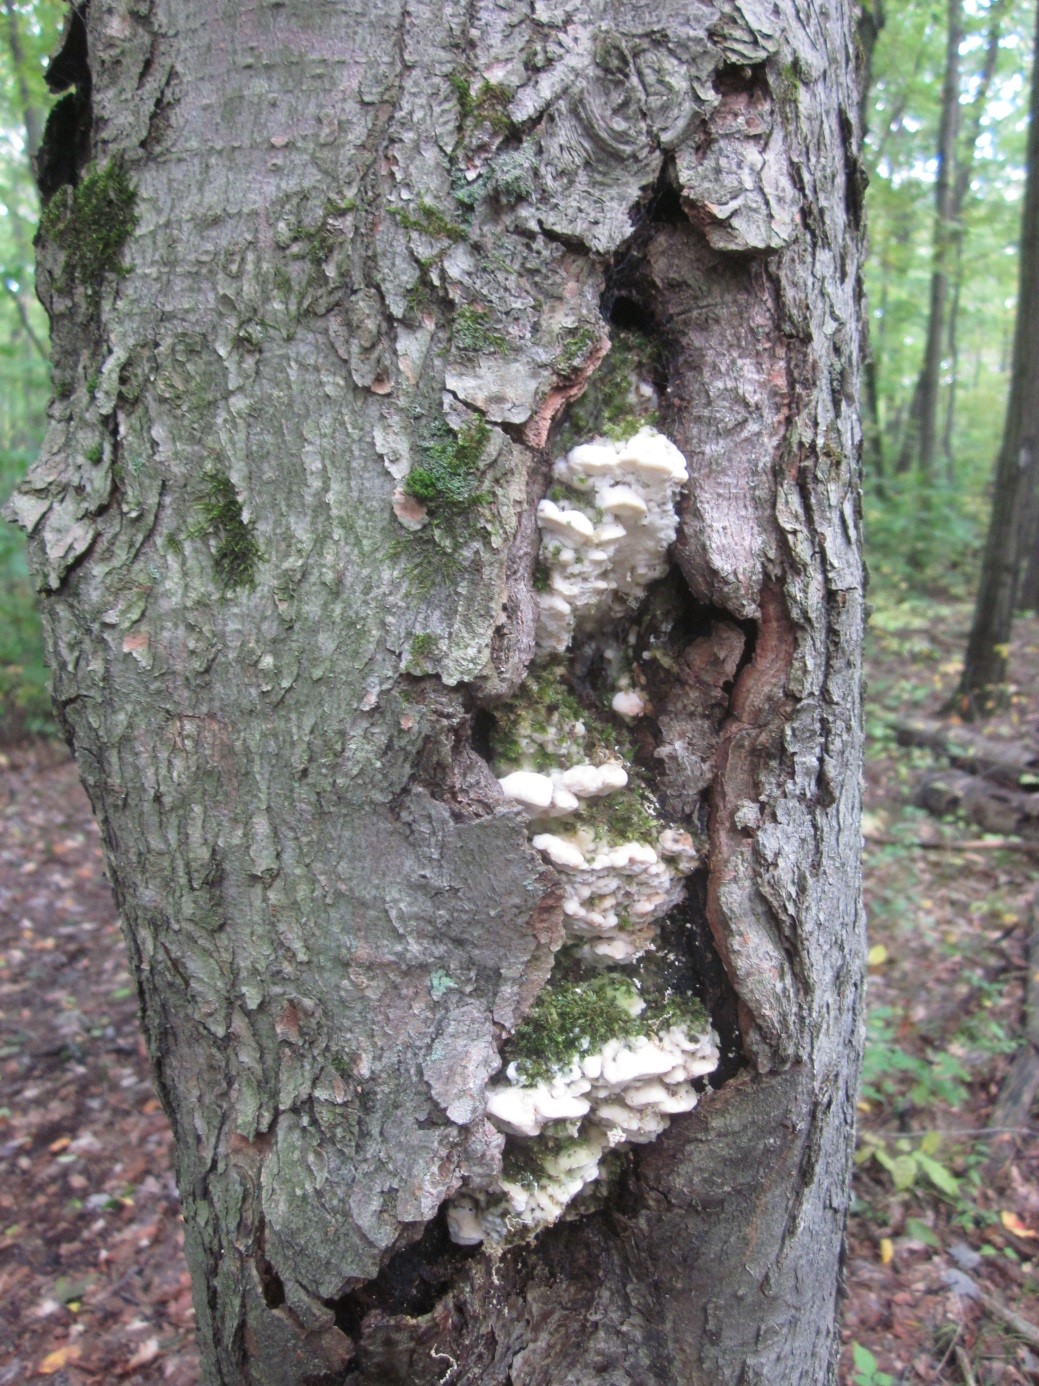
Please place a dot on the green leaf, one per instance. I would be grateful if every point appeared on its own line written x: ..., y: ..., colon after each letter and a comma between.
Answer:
x: 920, y: 1232
x: 940, y: 1177
x: 903, y: 1172
x: 863, y: 1358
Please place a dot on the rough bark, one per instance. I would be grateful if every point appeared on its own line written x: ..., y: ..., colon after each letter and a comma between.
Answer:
x: 1015, y: 503
x: 333, y: 917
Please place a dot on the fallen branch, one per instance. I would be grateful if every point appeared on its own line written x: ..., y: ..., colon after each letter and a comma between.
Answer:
x: 1025, y: 1328
x: 968, y: 750
x: 992, y: 806
x: 964, y: 1364
x: 981, y: 844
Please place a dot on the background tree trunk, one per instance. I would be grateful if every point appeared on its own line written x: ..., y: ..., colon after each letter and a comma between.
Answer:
x: 1015, y: 504
x: 922, y: 427
x: 964, y: 168
x: 313, y: 239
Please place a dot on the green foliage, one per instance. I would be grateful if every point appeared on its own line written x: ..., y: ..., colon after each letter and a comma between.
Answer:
x: 926, y: 536
x: 448, y: 478
x: 910, y: 1164
x: 92, y: 225
x: 924, y: 533
x: 866, y: 1370
x: 891, y: 1073
x: 234, y: 548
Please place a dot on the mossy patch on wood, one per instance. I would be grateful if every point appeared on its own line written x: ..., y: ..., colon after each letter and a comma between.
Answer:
x: 449, y: 476
x: 428, y: 219
x: 611, y: 406
x: 470, y: 331
x: 92, y: 225
x: 234, y: 548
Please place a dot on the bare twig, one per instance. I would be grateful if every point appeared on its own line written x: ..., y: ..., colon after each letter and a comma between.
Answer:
x: 964, y: 1364
x: 1023, y: 1327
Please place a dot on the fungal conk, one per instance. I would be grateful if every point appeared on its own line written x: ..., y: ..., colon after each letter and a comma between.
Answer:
x: 606, y: 1055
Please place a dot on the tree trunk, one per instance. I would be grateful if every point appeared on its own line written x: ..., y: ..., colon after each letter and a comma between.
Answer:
x: 922, y: 430
x: 960, y: 192
x: 1012, y: 526
x: 323, y: 308
x: 870, y: 23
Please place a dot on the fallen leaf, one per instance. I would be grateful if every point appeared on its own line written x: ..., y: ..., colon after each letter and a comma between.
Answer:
x: 147, y: 1352
x: 1013, y: 1224
x: 877, y: 955
x: 62, y: 1143
x: 887, y: 1251
x: 59, y: 1358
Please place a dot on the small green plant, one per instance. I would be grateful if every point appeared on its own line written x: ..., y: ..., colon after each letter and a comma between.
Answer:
x: 867, y: 1372
x: 891, y: 1073
x: 449, y: 476
x: 235, y: 550
x: 908, y: 1165
x: 93, y: 226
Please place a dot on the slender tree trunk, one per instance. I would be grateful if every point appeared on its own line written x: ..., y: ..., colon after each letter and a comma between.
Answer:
x: 922, y: 431
x: 961, y: 191
x: 1012, y: 527
x: 320, y: 310
x: 870, y: 24
x: 31, y: 117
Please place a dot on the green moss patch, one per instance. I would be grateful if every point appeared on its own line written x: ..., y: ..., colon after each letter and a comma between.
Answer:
x: 235, y: 550
x: 609, y: 407
x: 470, y: 332
x: 429, y: 220
x: 575, y: 351
x: 570, y: 1019
x: 93, y: 227
x: 449, y: 475
x: 487, y: 104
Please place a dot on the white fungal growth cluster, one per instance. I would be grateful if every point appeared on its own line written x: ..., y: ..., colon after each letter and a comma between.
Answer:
x: 598, y: 1067
x: 622, y: 1093
x: 605, y: 532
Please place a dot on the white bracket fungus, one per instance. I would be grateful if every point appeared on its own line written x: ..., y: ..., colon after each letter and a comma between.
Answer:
x: 616, y: 1067
x: 606, y: 536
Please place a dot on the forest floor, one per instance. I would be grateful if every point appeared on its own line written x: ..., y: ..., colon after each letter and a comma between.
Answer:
x: 942, y: 1250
